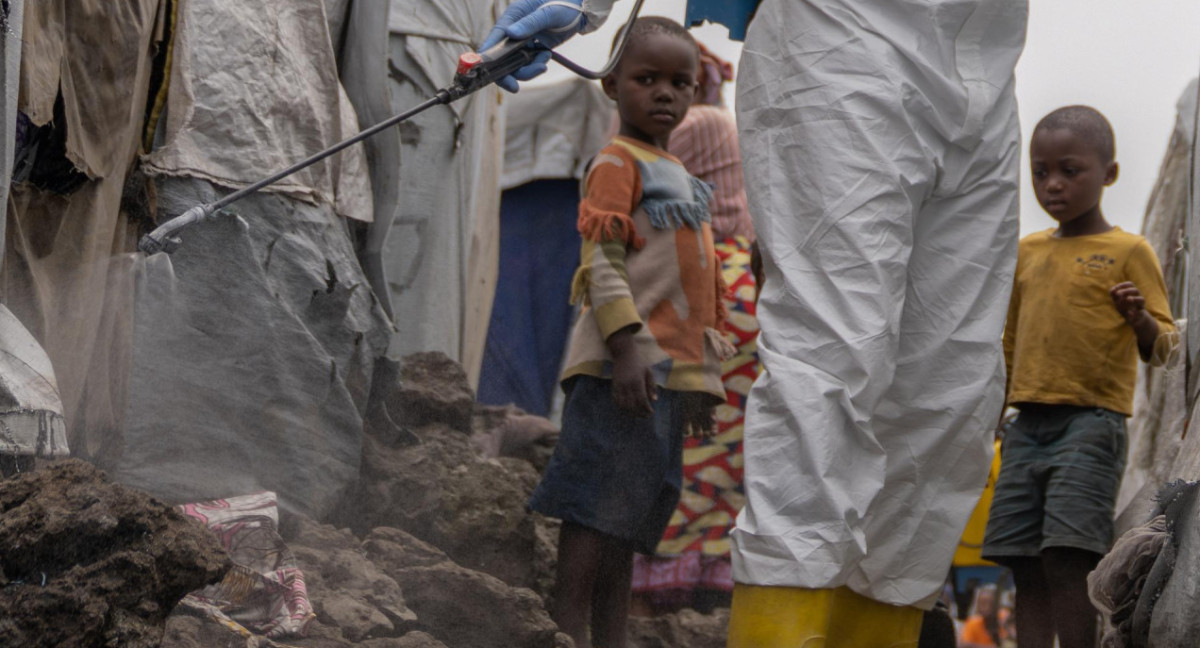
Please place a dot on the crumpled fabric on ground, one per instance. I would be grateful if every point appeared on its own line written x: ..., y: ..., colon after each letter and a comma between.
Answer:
x: 264, y: 592
x: 1116, y: 583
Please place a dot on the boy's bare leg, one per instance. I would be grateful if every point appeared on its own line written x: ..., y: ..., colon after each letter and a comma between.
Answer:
x: 610, y: 607
x: 580, y: 552
x: 1034, y: 616
x: 1066, y: 571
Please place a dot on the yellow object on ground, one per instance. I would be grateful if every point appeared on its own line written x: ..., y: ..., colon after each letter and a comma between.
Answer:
x: 794, y: 617
x: 970, y: 547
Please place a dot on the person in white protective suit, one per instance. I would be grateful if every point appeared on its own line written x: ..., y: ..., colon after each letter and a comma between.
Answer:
x: 880, y: 145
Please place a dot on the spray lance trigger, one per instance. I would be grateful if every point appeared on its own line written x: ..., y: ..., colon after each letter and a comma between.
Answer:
x: 477, y: 70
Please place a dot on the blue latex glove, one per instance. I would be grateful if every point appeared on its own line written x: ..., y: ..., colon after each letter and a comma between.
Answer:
x: 550, y: 24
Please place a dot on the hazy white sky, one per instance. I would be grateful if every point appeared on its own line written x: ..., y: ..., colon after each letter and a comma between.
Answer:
x: 1130, y: 60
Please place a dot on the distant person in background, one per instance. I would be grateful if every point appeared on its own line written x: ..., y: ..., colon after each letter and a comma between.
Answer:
x: 691, y: 567
x: 986, y: 627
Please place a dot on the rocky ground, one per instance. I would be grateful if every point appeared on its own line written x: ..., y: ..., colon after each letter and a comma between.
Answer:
x: 85, y: 562
x: 433, y: 548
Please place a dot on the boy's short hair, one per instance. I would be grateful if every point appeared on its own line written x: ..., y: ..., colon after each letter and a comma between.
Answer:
x: 656, y: 25
x: 1085, y: 122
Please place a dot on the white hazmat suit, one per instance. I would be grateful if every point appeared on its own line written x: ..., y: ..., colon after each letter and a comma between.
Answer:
x: 880, y: 146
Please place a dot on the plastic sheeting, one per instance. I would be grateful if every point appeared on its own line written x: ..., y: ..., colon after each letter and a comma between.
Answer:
x: 244, y: 363
x: 1161, y: 398
x: 255, y: 344
x: 364, y: 68
x: 552, y: 131
x: 251, y: 92
x: 10, y: 75
x: 442, y: 250
x: 31, y: 418
x: 31, y: 412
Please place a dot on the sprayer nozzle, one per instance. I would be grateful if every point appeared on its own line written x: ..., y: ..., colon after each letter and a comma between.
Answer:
x: 151, y: 244
x: 161, y: 239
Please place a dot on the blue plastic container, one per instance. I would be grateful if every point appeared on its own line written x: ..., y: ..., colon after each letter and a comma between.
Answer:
x: 734, y: 14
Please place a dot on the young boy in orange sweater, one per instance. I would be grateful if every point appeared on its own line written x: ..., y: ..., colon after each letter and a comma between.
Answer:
x: 1088, y: 300
x: 645, y: 356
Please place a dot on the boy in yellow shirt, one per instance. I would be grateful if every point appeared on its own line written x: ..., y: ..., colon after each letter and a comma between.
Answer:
x: 1088, y: 300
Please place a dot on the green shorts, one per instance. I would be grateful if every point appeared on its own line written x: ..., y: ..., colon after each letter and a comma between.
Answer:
x: 1060, y: 467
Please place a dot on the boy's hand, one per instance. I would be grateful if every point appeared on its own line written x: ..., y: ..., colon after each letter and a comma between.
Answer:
x: 1129, y: 301
x: 1132, y: 306
x: 698, y: 411
x: 633, y: 385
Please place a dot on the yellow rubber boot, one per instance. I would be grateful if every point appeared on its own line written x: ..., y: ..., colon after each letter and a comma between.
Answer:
x: 795, y: 617
x: 860, y: 622
x: 779, y: 617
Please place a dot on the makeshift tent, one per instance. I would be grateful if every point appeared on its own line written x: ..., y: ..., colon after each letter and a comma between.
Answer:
x: 1161, y: 403
x: 1164, y: 433
x: 258, y: 337
x: 553, y: 131
x: 244, y: 362
x: 442, y: 250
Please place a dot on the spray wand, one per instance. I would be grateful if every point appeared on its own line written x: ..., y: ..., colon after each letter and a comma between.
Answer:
x: 476, y: 70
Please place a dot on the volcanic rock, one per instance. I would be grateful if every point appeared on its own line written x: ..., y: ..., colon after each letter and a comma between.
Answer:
x: 93, y: 563
x: 462, y: 607
x: 443, y: 492
x: 684, y: 629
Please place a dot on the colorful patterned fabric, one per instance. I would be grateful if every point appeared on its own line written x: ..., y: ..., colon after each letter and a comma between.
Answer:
x: 694, y: 551
x: 264, y: 592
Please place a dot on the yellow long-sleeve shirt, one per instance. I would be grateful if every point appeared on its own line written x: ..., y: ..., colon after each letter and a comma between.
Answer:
x: 1065, y: 342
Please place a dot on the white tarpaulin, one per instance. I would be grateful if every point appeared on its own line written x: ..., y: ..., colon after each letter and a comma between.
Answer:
x: 363, y: 62
x: 252, y: 92
x: 1160, y: 409
x: 255, y: 342
x: 552, y: 131
x: 442, y: 250
x: 31, y: 414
